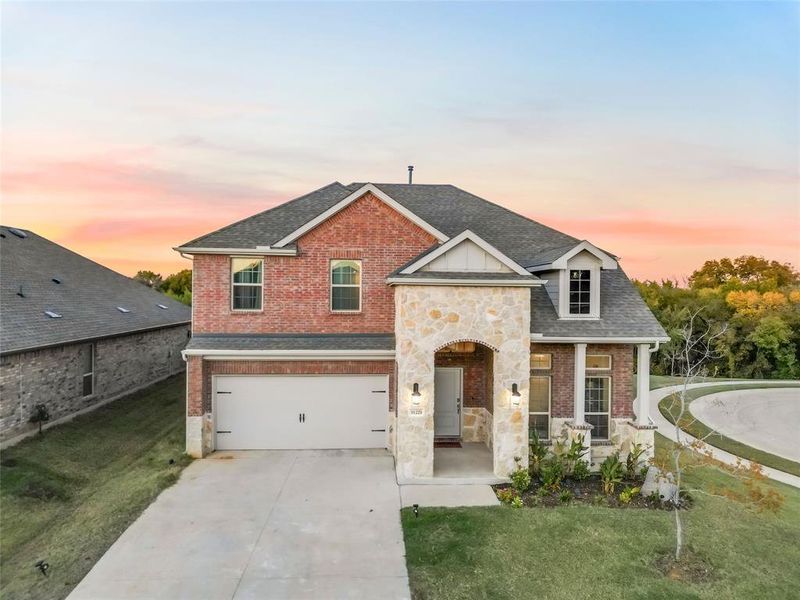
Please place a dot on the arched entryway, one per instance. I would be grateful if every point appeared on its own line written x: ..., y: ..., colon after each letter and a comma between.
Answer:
x: 462, y: 411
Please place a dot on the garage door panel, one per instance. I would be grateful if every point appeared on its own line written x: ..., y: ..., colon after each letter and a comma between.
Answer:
x: 303, y: 412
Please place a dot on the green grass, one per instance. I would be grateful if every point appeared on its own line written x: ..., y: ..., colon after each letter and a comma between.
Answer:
x: 580, y: 551
x: 66, y: 495
x: 701, y: 431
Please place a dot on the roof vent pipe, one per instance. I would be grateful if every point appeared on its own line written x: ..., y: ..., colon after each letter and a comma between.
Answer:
x: 410, y: 173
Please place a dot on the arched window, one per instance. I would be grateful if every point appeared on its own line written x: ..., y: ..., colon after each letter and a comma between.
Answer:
x: 346, y: 285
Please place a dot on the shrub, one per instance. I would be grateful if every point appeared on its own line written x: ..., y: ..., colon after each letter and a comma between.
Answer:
x: 506, y: 495
x: 552, y: 474
x: 40, y: 415
x: 520, y: 479
x: 632, y: 462
x: 565, y: 497
x: 537, y: 452
x: 628, y: 494
x: 611, y: 471
x: 573, y: 455
x: 516, y: 502
x: 581, y: 470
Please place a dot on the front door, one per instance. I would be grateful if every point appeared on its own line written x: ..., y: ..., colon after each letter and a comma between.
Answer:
x: 447, y: 402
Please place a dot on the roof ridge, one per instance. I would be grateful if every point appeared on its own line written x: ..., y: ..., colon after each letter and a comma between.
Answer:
x: 263, y: 212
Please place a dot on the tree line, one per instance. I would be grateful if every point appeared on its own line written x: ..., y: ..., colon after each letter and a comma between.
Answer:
x: 178, y: 285
x: 754, y: 304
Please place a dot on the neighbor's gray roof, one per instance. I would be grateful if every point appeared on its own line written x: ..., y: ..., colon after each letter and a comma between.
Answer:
x: 623, y: 313
x: 87, y: 297
x: 292, y: 341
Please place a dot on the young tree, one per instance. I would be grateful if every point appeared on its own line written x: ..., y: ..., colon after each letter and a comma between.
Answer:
x: 149, y: 278
x: 698, y: 340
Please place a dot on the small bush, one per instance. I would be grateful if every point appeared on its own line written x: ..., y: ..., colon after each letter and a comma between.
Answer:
x: 552, y: 474
x: 520, y: 479
x: 506, y: 495
x: 537, y: 452
x: 573, y: 455
x: 516, y: 502
x: 611, y: 472
x: 628, y: 494
x: 581, y: 470
x: 40, y: 415
x: 632, y: 461
x: 565, y: 496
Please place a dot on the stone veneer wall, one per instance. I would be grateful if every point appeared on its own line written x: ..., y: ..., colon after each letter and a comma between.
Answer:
x: 54, y: 376
x: 431, y: 317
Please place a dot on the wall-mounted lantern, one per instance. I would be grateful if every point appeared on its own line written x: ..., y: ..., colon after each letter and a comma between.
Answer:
x: 416, y: 397
x: 515, y: 395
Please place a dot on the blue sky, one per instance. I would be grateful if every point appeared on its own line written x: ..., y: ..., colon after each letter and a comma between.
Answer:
x: 666, y: 132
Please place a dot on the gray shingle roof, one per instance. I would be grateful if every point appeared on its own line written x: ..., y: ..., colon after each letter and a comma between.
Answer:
x: 452, y: 210
x: 296, y: 341
x: 87, y: 297
x: 475, y: 275
x: 623, y: 313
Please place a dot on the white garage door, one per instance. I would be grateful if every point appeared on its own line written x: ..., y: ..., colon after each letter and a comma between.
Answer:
x: 299, y: 412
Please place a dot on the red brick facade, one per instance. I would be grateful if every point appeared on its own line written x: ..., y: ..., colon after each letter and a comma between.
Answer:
x: 200, y: 373
x: 296, y: 289
x: 562, y: 373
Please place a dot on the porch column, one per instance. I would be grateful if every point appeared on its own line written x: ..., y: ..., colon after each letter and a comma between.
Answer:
x: 643, y: 384
x: 580, y: 383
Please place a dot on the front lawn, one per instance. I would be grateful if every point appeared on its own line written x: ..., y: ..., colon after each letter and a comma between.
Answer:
x: 671, y: 405
x: 67, y: 495
x: 580, y: 551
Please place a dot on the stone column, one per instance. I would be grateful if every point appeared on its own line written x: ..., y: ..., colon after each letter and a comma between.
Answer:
x: 199, y: 426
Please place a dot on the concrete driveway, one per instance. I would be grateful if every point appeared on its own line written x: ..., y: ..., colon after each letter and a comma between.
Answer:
x: 288, y: 524
x: 766, y: 419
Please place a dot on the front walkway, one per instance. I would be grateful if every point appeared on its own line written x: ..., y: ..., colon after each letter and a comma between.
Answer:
x: 264, y: 524
x: 667, y: 429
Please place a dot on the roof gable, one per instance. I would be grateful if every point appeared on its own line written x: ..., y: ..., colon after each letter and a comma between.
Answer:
x: 461, y: 252
x: 560, y: 259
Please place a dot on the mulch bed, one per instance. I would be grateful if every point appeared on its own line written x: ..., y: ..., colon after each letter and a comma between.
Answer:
x: 589, y: 491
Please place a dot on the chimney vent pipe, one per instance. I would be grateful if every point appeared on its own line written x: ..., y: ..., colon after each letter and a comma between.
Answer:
x: 410, y: 173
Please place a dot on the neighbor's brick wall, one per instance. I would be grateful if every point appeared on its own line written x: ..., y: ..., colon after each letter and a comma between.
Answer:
x: 296, y: 289
x: 201, y: 372
x: 475, y: 364
x: 54, y: 376
x: 563, y: 370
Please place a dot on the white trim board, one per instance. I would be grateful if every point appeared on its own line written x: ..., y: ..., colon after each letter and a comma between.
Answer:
x: 257, y: 251
x: 452, y: 243
x: 291, y: 354
x: 464, y: 282
x: 368, y: 188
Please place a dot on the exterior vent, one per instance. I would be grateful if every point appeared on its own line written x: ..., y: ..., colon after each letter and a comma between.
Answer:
x: 18, y: 232
x: 162, y: 307
x: 20, y: 293
x: 55, y: 280
x: 123, y: 309
x: 52, y: 314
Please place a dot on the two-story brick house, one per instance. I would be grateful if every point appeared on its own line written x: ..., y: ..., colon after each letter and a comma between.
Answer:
x: 393, y: 315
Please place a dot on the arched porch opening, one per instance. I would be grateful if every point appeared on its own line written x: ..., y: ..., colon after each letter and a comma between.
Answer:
x: 462, y: 409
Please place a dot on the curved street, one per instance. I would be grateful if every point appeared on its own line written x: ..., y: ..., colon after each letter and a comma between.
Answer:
x: 667, y: 429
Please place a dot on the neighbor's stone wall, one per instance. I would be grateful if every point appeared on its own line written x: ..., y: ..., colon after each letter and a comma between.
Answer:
x: 54, y: 376
x: 431, y: 317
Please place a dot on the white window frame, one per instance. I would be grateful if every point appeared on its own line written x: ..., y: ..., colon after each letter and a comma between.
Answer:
x: 331, y: 285
x: 608, y: 368
x: 607, y: 413
x: 261, y: 285
x: 92, y: 352
x: 594, y: 292
x: 549, y: 402
x: 549, y: 356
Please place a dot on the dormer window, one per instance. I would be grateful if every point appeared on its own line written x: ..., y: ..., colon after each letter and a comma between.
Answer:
x: 580, y: 292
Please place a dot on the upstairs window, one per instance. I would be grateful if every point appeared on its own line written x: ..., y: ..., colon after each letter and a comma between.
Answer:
x: 346, y: 285
x: 247, y: 278
x: 580, y: 297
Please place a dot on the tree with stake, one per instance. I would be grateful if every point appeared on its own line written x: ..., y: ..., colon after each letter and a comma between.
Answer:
x: 40, y: 415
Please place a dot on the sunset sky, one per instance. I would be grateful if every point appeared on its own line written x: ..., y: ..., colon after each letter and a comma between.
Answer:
x: 666, y: 133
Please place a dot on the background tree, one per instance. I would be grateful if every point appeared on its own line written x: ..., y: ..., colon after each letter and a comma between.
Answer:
x: 148, y: 278
x: 177, y: 286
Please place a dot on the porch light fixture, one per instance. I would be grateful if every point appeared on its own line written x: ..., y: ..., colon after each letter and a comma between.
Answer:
x: 515, y: 395
x: 415, y: 395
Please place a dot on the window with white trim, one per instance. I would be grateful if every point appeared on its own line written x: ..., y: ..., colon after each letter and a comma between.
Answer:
x: 598, y: 405
x: 541, y: 360
x: 580, y: 292
x: 539, y: 407
x: 247, y: 281
x: 87, y: 379
x: 345, y: 285
x: 598, y: 361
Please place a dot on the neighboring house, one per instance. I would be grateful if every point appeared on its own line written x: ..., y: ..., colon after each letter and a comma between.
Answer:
x: 388, y: 315
x: 74, y: 334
